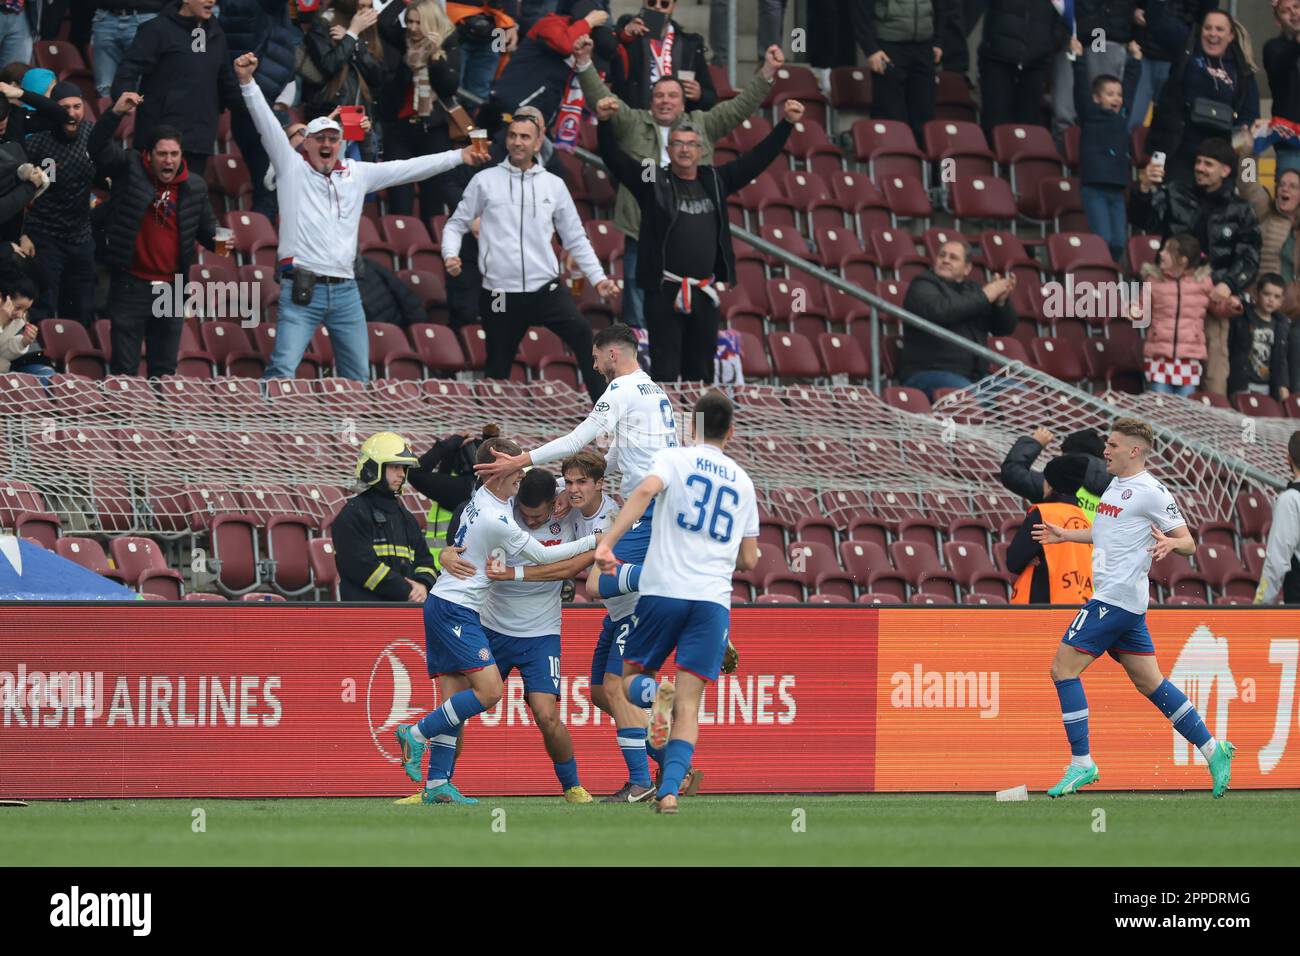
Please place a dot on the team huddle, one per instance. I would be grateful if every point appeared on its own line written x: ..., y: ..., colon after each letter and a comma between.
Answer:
x: 498, y: 606
x: 662, y: 564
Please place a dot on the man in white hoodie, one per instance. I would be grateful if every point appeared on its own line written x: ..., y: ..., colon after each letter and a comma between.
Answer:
x: 321, y: 198
x: 520, y: 206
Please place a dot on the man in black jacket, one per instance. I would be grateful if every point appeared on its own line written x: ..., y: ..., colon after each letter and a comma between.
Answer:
x: 646, y: 58
x: 156, y: 214
x: 59, y: 221
x: 380, y: 552
x: 1019, y: 478
x: 1015, y: 56
x: 181, y: 65
x: 946, y: 296
x: 1224, y: 223
x: 685, y: 241
x: 902, y: 46
x: 385, y: 298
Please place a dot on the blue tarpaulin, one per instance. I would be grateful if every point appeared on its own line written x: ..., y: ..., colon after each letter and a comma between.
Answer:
x: 30, y: 573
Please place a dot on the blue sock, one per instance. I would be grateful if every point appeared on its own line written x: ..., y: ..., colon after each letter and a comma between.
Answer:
x: 641, y: 690
x: 567, y: 773
x: 446, y: 720
x: 679, y: 754
x: 1074, y: 711
x: 1173, y: 703
x: 656, y: 753
x: 442, y: 757
x: 627, y: 580
x: 631, y: 741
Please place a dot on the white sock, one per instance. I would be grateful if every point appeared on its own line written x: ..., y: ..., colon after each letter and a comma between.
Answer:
x: 1084, y: 761
x: 430, y: 784
x: 418, y: 737
x: 1208, y: 748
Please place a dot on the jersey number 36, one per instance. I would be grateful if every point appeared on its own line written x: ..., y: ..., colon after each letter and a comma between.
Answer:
x: 717, y: 507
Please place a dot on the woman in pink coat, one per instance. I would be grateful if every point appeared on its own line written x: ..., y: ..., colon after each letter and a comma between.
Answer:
x: 1175, y: 336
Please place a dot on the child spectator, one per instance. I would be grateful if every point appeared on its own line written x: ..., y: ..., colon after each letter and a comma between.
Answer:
x: 1180, y: 297
x: 1258, y: 343
x: 1104, y: 148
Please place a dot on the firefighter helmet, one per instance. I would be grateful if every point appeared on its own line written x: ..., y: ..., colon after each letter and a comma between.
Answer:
x: 383, y: 448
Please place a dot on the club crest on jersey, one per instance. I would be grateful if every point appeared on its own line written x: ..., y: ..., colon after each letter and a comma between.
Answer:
x: 555, y: 527
x: 1128, y: 493
x: 483, y: 654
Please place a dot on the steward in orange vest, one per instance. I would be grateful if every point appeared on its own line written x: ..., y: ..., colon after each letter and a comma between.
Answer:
x: 1054, y: 573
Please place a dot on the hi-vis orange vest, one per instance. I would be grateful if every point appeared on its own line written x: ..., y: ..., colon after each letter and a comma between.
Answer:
x: 1069, y: 564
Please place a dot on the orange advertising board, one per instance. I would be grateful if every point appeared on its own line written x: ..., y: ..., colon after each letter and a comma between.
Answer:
x: 965, y: 700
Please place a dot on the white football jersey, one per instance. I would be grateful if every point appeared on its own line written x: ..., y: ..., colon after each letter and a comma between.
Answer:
x: 637, y: 415
x: 580, y: 525
x: 1121, y: 535
x: 487, y: 525
x: 528, y: 608
x: 706, y: 507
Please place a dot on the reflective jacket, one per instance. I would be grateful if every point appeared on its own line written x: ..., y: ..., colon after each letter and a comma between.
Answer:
x: 378, y: 545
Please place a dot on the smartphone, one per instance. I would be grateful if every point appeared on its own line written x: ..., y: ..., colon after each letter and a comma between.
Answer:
x: 1158, y: 158
x: 656, y: 22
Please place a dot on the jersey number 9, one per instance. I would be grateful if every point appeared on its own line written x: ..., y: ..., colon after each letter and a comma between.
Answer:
x: 721, y: 519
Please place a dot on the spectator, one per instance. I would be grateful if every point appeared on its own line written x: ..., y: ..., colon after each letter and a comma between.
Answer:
x: 297, y: 135
x: 15, y: 31
x: 688, y: 248
x: 1258, y: 343
x: 1163, y: 28
x: 318, y: 232
x: 531, y: 11
x: 1105, y: 29
x: 1104, y: 151
x: 1281, y: 574
x: 945, y: 295
x: 668, y: 51
x: 380, y: 552
x: 385, y: 298
x: 157, y: 213
x: 1281, y: 56
x: 20, y: 350
x: 522, y: 207
x: 541, y: 73
x: 1210, y: 93
x: 262, y: 27
x: 487, y: 29
x: 1176, y: 341
x: 1225, y: 229
x: 414, y: 122
x: 901, y: 43
x: 1018, y: 477
x: 180, y: 64
x: 831, y: 40
x: 445, y: 475
x: 59, y: 222
x: 643, y: 135
x: 111, y: 33
x: 1015, y: 54
x: 27, y: 111
x: 1054, y: 573
x: 1277, y: 240
x: 20, y: 183
x: 343, y: 46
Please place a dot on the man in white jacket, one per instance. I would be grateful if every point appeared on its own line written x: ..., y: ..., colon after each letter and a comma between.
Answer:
x: 520, y: 206
x: 321, y: 198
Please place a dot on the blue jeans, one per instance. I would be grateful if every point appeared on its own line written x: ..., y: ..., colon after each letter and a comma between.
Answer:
x: 1166, y: 389
x: 111, y: 35
x: 338, y: 306
x: 633, y: 294
x: 930, y: 382
x: 15, y: 38
x: 1107, y: 217
x: 1150, y: 83
x: 478, y: 66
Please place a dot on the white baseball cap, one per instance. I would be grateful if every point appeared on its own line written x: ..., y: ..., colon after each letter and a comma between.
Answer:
x: 322, y: 123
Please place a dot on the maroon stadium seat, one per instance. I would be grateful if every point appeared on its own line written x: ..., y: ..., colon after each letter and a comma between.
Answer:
x: 1256, y: 406
x: 793, y: 356
x: 235, y: 552
x: 324, y: 572
x: 68, y: 343
x: 143, y: 566
x: 391, y: 355
x: 961, y: 142
x: 88, y: 553
x: 982, y: 199
x: 437, y: 348
x: 474, y: 342
x: 410, y: 240
x: 228, y: 344
x: 1253, y: 512
x: 851, y: 88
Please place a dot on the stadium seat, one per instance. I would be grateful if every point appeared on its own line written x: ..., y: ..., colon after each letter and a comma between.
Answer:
x: 815, y: 529
x: 227, y: 342
x: 907, y: 399
x: 262, y: 597
x: 981, y: 199
x: 88, y: 553
x: 474, y: 342
x: 254, y: 236
x: 143, y: 567
x: 1060, y: 359
x: 793, y: 356
x: 1257, y: 406
x: 907, y: 199
x: 869, y: 529
x: 887, y: 147
x: 1060, y: 205
x: 44, y: 528
x: 324, y: 572
x: 834, y: 243
x: 914, y: 560
x: 963, y: 144
x: 68, y: 343
x: 391, y: 356
x: 820, y: 597
x: 431, y: 289
x: 843, y: 355
x: 205, y: 596
x: 235, y: 553
x: 986, y: 599
x: 967, y: 561
x: 411, y: 241
x: 922, y: 598
x: 851, y: 88
x: 1188, y: 585
x: 1254, y: 512
x: 1221, y: 567
x: 770, y: 561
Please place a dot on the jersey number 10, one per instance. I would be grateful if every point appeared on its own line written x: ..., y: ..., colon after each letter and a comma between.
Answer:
x: 715, y: 506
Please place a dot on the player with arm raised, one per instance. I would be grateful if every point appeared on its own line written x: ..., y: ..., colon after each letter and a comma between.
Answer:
x: 1134, y: 510
x: 707, y: 528
x: 640, y: 418
x: 459, y: 656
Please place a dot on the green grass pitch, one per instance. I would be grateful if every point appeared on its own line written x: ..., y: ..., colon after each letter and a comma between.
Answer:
x: 1247, y: 828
